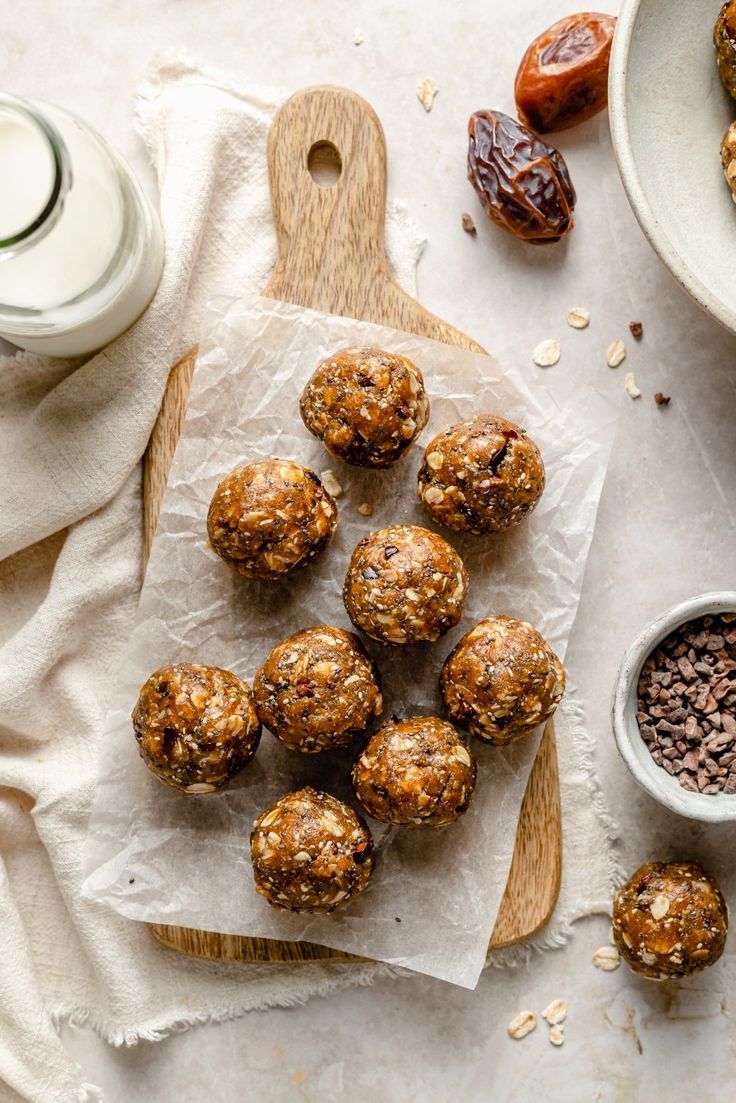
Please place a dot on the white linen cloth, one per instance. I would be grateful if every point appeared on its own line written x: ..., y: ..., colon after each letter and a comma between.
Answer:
x: 71, y: 439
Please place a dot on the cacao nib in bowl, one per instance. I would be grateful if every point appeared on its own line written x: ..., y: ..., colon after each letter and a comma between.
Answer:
x: 693, y: 690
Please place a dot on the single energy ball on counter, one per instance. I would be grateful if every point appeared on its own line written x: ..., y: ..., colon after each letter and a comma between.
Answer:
x: 268, y: 518
x: 196, y: 726
x: 415, y: 771
x: 317, y: 690
x: 367, y: 406
x: 404, y: 584
x: 670, y: 920
x: 728, y: 158
x: 724, y: 40
x: 482, y: 475
x: 310, y: 852
x: 501, y: 680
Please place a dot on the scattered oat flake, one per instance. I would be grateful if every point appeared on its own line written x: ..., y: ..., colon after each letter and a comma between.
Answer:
x: 547, y: 353
x: 555, y: 1012
x: 607, y: 958
x: 365, y: 509
x: 331, y: 484
x: 357, y: 38
x: 616, y: 353
x: 637, y: 329
x: 556, y: 1035
x: 662, y: 399
x: 468, y: 224
x: 427, y: 90
x: 630, y: 383
x: 578, y: 317
x: 522, y: 1024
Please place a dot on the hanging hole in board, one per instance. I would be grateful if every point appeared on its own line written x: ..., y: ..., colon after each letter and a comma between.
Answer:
x: 324, y: 164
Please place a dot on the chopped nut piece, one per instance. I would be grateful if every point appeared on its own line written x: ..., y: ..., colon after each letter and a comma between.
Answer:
x: 616, y: 353
x: 522, y: 1024
x: 357, y: 37
x: 331, y: 483
x: 468, y: 224
x: 365, y: 509
x: 426, y: 91
x: 637, y: 329
x: 578, y: 317
x: 555, y: 1012
x: 547, y: 353
x: 659, y: 907
x: 662, y: 399
x: 556, y: 1035
x: 631, y: 388
x: 607, y: 958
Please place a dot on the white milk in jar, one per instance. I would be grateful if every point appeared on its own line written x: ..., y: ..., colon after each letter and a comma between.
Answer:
x: 80, y: 247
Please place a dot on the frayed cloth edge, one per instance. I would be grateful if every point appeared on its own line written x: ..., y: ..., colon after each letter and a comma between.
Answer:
x: 116, y: 1034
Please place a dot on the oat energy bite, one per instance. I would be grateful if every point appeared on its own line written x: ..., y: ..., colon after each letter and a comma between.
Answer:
x: 268, y: 518
x: 415, y: 771
x: 196, y: 726
x: 670, y: 920
x: 317, y: 690
x: 404, y: 584
x: 501, y: 680
x: 367, y: 406
x: 482, y: 475
x: 310, y: 852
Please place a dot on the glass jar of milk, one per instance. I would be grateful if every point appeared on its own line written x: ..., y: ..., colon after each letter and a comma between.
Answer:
x: 81, y: 250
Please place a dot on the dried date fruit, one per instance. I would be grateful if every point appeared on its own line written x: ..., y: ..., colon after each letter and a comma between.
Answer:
x: 523, y: 183
x: 724, y: 40
x: 563, y: 76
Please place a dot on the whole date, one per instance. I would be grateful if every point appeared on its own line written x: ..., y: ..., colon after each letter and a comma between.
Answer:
x: 563, y: 76
x: 523, y: 183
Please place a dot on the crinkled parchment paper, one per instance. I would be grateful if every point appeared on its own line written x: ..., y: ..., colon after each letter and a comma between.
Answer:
x: 154, y: 854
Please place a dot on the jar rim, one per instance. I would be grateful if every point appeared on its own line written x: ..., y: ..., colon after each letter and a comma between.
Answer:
x: 47, y: 217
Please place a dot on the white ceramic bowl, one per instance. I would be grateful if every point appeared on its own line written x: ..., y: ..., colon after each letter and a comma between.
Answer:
x: 710, y: 808
x: 668, y: 112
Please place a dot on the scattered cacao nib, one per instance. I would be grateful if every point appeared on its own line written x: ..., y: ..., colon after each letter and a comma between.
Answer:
x: 689, y: 724
x: 468, y: 224
x: 662, y: 399
x: 637, y: 330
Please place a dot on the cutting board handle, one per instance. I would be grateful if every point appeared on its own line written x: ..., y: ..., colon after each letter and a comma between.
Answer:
x: 327, y: 232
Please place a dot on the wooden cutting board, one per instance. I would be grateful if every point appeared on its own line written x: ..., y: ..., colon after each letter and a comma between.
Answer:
x: 327, y: 164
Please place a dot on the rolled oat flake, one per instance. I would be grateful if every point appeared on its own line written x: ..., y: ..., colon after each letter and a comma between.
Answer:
x: 547, y: 353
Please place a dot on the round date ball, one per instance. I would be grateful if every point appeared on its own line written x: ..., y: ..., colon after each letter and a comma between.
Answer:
x: 670, y: 920
x: 310, y: 852
x: 415, y: 771
x: 196, y: 726
x: 724, y: 40
x: 317, y: 690
x: 482, y: 475
x: 502, y: 680
x: 404, y: 584
x: 367, y: 406
x: 268, y: 518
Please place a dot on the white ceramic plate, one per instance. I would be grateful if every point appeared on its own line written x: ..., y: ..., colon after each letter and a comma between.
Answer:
x: 668, y: 113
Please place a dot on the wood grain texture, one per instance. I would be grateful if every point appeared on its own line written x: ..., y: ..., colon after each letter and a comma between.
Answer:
x: 331, y: 258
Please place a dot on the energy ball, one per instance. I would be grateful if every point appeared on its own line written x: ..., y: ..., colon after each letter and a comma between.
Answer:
x: 482, y: 475
x: 415, y: 771
x: 670, y: 920
x: 404, y: 584
x: 317, y: 690
x: 196, y: 726
x: 367, y: 406
x: 310, y: 852
x: 502, y: 680
x: 268, y: 518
